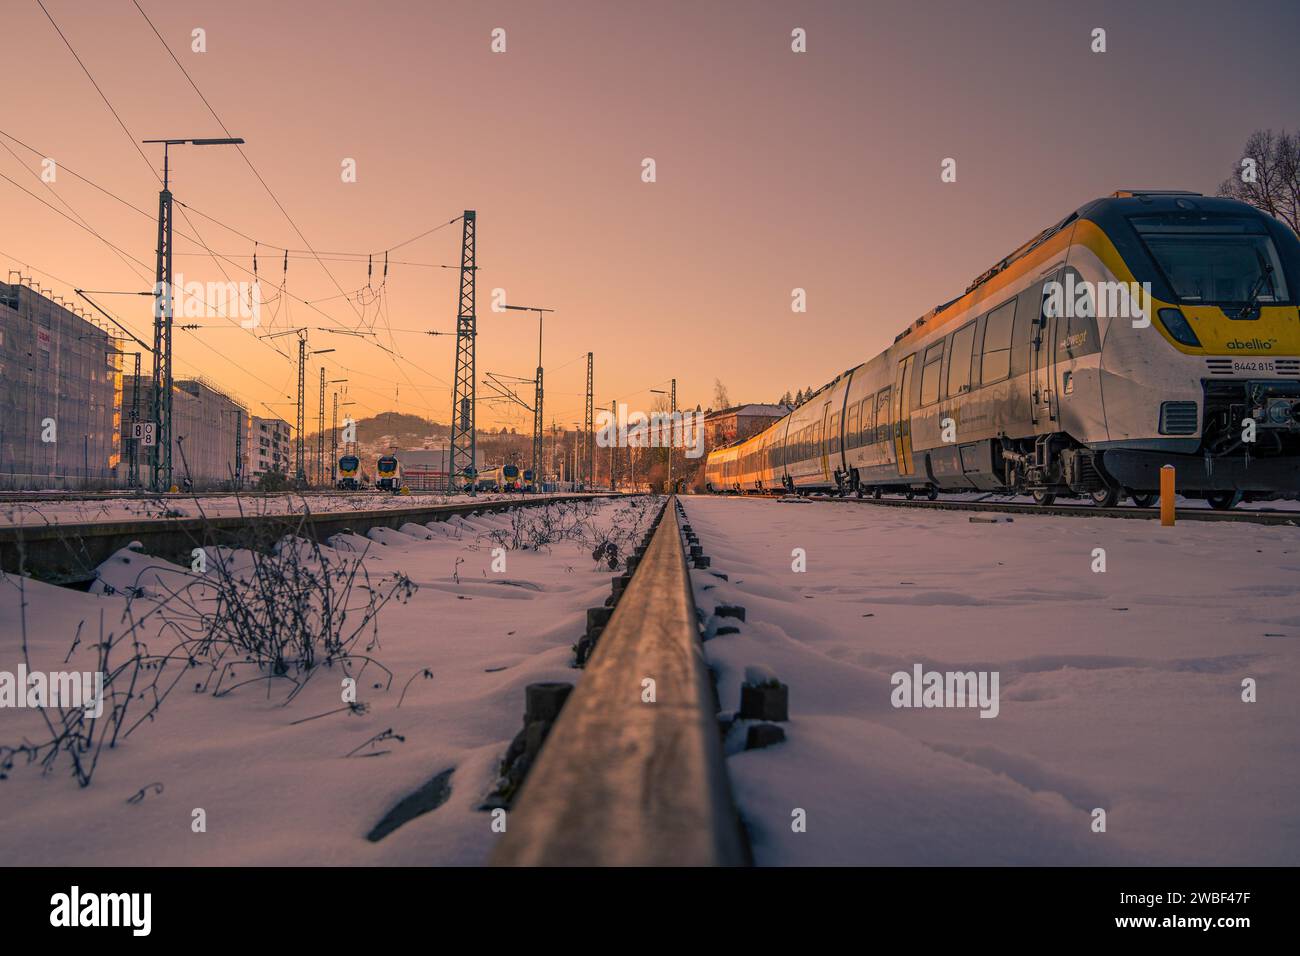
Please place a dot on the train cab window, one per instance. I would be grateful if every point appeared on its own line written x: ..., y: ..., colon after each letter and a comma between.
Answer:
x: 883, y: 430
x: 997, y: 343
x: 963, y: 341
x: 851, y: 428
x: 930, y: 374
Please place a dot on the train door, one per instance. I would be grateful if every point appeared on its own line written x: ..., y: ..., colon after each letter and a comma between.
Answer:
x: 825, y: 441
x: 903, y: 415
x: 1043, y: 399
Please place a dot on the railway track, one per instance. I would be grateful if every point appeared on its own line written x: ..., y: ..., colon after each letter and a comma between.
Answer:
x: 1274, y: 517
x: 69, y: 553
x: 623, y: 780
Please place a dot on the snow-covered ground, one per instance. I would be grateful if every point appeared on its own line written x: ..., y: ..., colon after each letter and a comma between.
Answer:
x: 1119, y: 690
x: 133, y: 509
x: 273, y: 778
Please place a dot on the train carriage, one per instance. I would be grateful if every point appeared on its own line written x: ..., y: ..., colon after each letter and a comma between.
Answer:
x: 1148, y: 328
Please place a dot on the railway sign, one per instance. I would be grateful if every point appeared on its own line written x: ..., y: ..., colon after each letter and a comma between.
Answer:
x: 144, y: 433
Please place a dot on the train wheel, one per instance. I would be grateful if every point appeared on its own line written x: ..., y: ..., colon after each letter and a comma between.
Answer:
x: 1145, y: 499
x: 909, y: 494
x: 876, y: 492
x: 1105, y: 498
x: 1224, y: 500
x: 1043, y: 498
x: 932, y: 494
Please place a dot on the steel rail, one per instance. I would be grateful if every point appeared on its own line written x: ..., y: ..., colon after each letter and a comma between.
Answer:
x: 623, y: 780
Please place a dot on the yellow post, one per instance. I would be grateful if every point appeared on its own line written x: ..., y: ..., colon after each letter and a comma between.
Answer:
x: 1167, y: 496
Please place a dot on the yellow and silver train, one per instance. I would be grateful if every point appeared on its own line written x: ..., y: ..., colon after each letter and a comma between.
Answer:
x: 501, y: 478
x: 349, y: 468
x: 388, y: 473
x: 1147, y: 328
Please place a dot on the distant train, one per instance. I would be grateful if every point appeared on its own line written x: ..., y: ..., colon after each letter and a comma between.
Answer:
x: 388, y: 473
x: 1144, y: 329
x: 502, y: 478
x: 349, y: 466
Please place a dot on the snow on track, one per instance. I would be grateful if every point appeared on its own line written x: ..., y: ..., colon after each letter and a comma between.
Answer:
x: 276, y: 792
x: 1120, y: 690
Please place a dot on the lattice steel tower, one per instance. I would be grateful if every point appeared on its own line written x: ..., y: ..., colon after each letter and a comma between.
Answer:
x: 320, y: 432
x: 300, y: 470
x: 589, y: 435
x: 160, y: 411
x: 463, y: 442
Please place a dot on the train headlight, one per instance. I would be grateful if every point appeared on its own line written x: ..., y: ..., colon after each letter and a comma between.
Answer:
x: 1283, y: 412
x: 1176, y: 324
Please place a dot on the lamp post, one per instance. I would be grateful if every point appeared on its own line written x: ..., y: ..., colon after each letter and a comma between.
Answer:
x: 161, y: 405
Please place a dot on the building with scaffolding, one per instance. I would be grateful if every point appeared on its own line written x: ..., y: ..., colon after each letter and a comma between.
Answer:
x: 61, y: 392
x: 209, y: 432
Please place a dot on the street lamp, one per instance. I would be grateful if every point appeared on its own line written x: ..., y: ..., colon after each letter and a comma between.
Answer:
x: 161, y: 406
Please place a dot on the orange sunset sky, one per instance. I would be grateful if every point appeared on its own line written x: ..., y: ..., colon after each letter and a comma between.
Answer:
x: 775, y: 170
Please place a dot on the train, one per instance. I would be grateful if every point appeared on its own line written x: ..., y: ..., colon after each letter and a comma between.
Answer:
x: 388, y: 473
x: 1146, y: 328
x: 501, y: 478
x: 349, y: 467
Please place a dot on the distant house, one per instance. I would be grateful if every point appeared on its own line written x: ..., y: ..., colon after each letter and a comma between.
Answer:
x: 739, y: 422
x: 270, y: 448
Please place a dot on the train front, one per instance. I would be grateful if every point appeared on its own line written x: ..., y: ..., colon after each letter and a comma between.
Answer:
x: 349, y: 466
x: 386, y: 470
x: 1207, y: 376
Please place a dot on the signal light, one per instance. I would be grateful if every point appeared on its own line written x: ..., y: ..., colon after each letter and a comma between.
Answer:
x: 1176, y: 325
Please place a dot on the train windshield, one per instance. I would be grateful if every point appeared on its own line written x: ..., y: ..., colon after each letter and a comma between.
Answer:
x: 349, y: 462
x: 1215, y: 259
x: 510, y: 471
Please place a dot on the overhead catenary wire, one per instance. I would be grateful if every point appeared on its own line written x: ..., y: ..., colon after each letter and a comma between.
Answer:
x: 199, y: 240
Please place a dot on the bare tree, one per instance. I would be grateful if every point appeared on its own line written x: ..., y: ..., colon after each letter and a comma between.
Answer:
x: 721, y: 399
x: 1268, y: 175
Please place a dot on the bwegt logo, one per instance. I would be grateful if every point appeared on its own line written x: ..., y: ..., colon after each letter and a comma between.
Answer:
x: 202, y: 300
x: 923, y: 688
x: 103, y: 909
x: 655, y: 430
x: 73, y: 690
x: 1105, y: 300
